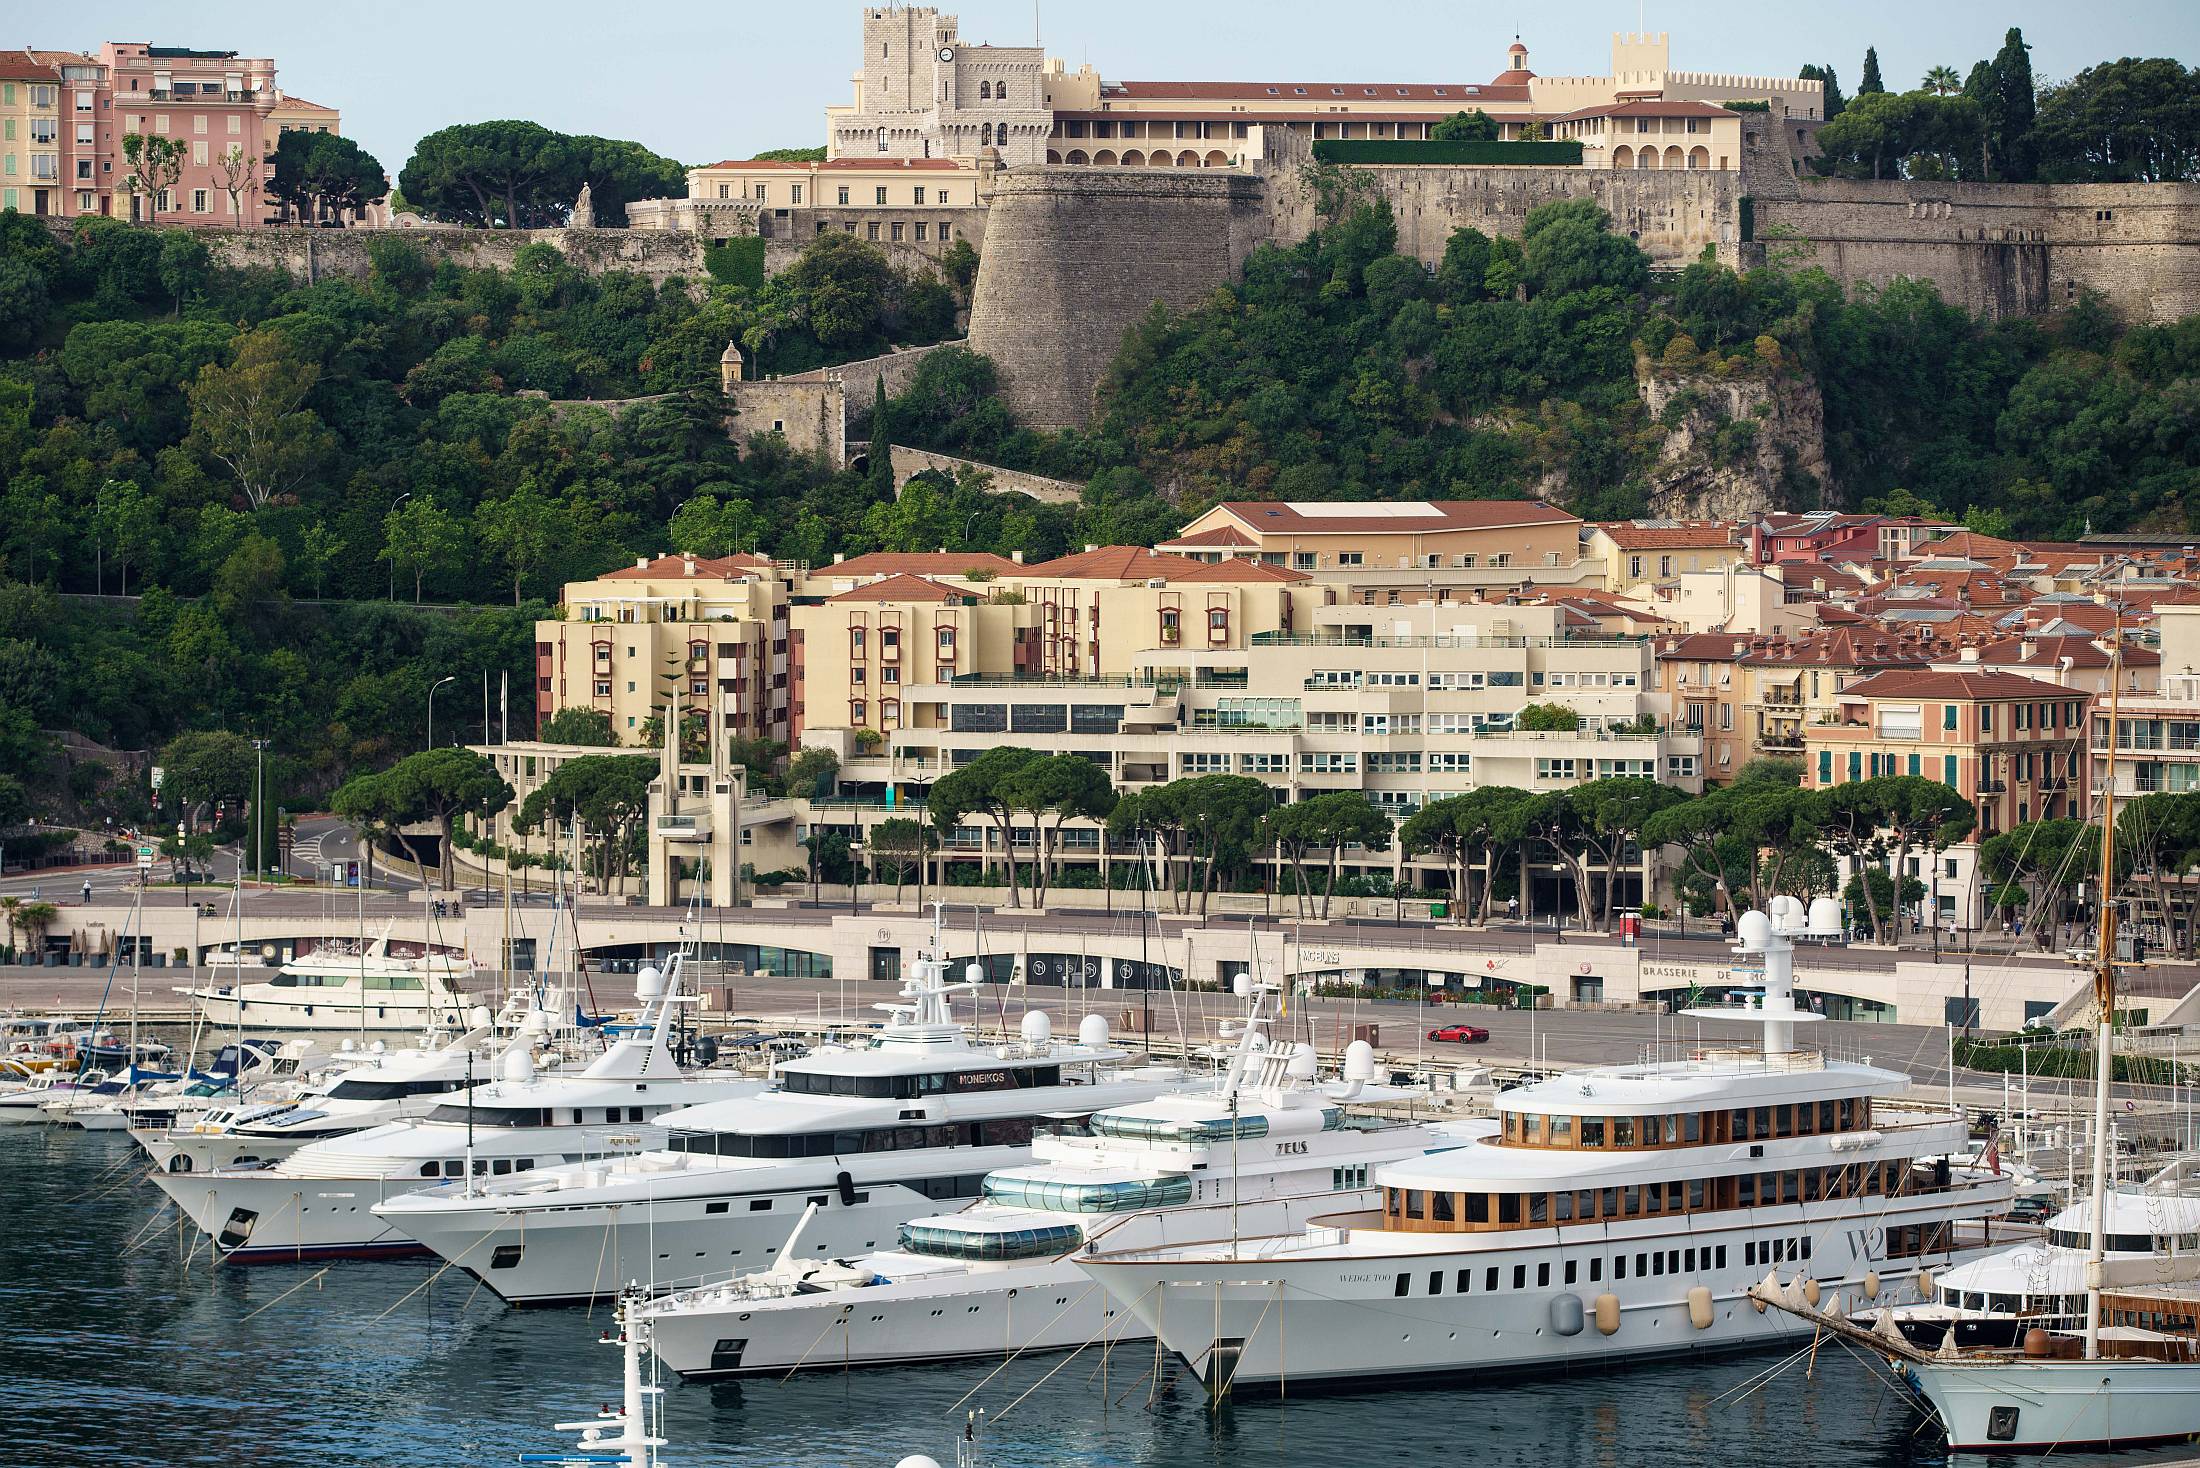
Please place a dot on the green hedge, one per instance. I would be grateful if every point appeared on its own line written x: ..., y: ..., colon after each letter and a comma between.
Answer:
x: 1406, y: 150
x: 737, y: 261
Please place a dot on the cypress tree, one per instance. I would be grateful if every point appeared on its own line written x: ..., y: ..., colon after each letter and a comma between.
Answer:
x: 1871, y: 82
x: 1979, y: 87
x: 2009, y: 111
x: 1812, y: 72
x: 882, y: 445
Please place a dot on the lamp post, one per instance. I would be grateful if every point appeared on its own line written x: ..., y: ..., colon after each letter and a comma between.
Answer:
x: 451, y: 678
x: 259, y: 799
x: 855, y: 878
x: 393, y: 558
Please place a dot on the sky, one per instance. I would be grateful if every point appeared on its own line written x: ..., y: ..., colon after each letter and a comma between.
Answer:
x: 700, y: 80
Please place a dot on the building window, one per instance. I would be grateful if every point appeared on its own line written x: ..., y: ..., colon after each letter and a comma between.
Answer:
x: 920, y: 193
x: 871, y: 229
x: 843, y: 193
x: 895, y: 229
x: 882, y: 140
x: 880, y: 194
x: 760, y: 193
x: 797, y: 192
x: 920, y: 232
x: 856, y: 708
x: 198, y: 201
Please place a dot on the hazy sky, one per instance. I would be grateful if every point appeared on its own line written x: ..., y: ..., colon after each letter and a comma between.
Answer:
x: 700, y: 80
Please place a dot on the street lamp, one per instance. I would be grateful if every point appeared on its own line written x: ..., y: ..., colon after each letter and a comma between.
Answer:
x: 259, y: 799
x: 452, y: 678
x: 393, y: 559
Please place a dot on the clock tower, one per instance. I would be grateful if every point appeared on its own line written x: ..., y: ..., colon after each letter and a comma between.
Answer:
x: 923, y: 93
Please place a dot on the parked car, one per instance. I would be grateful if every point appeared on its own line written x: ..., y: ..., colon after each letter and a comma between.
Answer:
x: 1460, y: 1034
x: 2030, y: 1209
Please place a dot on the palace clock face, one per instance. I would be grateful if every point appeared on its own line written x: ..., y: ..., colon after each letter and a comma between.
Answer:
x: 947, y: 53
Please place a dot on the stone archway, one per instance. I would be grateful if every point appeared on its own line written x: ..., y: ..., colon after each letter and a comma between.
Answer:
x: 1161, y: 159
x: 1134, y: 158
x: 1699, y: 157
x: 1673, y: 157
x: 1053, y: 157
x: 1187, y: 159
x: 1077, y: 155
x: 1105, y: 158
x: 1647, y: 158
x: 1216, y: 159
x: 1623, y: 156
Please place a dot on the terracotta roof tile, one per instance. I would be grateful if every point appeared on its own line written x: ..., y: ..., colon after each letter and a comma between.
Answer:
x: 905, y: 588
x: 1116, y: 563
x: 724, y: 568
x: 1926, y: 683
x: 920, y: 563
x: 1280, y: 517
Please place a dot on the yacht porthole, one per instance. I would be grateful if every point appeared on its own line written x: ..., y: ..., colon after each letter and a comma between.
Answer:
x: 744, y: 1315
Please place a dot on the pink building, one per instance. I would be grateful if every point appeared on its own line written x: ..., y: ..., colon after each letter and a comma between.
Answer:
x: 212, y: 102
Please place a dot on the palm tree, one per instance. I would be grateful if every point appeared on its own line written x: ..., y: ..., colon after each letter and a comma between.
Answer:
x: 11, y: 908
x: 1942, y: 81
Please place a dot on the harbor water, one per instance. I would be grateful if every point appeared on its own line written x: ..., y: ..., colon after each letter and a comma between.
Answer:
x: 120, y: 1347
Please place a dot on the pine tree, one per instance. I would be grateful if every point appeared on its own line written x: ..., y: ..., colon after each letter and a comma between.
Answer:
x: 1979, y: 87
x: 1871, y: 82
x: 2010, y: 109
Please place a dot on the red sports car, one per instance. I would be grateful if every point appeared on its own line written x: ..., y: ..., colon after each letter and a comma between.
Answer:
x: 1460, y: 1034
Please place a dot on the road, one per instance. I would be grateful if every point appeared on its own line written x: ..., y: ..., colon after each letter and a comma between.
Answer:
x: 317, y: 842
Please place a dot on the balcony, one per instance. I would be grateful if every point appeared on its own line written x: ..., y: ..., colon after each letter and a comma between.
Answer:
x: 1781, y: 742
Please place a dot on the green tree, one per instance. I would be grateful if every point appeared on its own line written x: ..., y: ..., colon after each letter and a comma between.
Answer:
x: 208, y: 768
x: 440, y: 785
x: 576, y: 725
x: 983, y: 787
x: 2011, y: 107
x: 1834, y: 100
x: 2126, y: 121
x: 1942, y: 81
x: 505, y: 174
x: 897, y: 847
x: 1611, y: 815
x: 959, y: 263
x: 127, y: 523
x: 1061, y: 786
x: 605, y: 796
x: 156, y: 164
x: 1549, y: 718
x: 810, y: 774
x: 321, y: 177
x: 423, y: 537
x: 1465, y: 127
x: 1326, y: 823
x: 525, y: 530
x: 1569, y: 246
x: 367, y: 804
x: 1871, y: 85
x: 840, y: 287
x: 185, y: 267
x: 251, y: 416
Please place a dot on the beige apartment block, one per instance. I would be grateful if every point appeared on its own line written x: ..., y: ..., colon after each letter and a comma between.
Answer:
x: 1645, y: 558
x: 1376, y: 546
x: 1740, y: 598
x: 709, y: 634
x: 31, y: 133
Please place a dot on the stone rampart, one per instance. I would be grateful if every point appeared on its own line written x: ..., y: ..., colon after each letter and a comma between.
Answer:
x: 2000, y: 249
x: 811, y: 409
x: 910, y: 462
x: 1672, y: 214
x: 1076, y: 256
x: 312, y: 254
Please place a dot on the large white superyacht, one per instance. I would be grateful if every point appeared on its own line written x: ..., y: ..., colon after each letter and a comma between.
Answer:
x: 315, y: 1203
x: 1616, y: 1213
x: 872, y: 1137
x: 341, y: 985
x: 998, y: 1277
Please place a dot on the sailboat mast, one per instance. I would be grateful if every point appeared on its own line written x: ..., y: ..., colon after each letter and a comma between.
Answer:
x: 2104, y: 1001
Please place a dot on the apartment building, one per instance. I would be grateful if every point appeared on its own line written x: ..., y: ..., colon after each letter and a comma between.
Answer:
x: 2157, y: 727
x: 2006, y: 743
x: 1378, y: 547
x: 1645, y: 558
x: 31, y: 133
x: 707, y: 633
x: 216, y: 103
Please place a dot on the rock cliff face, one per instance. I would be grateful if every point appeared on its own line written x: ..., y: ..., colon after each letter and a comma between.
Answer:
x: 1736, y: 445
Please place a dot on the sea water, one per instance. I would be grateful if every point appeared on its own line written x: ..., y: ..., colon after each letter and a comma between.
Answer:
x: 121, y: 1344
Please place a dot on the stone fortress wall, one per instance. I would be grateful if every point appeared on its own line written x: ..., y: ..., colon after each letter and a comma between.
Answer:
x: 313, y: 254
x: 1079, y: 254
x: 1075, y: 256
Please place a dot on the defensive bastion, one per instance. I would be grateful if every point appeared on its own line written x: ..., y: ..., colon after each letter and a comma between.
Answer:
x: 1076, y: 255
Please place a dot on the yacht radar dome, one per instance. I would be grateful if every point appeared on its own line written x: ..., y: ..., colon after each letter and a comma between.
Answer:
x: 649, y: 982
x: 1037, y: 1028
x: 1359, y: 1061
x: 1092, y: 1031
x: 1753, y: 932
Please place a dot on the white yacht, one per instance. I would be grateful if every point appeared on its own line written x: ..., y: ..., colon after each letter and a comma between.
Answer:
x: 871, y: 1137
x: 999, y: 1276
x: 2040, y: 1283
x: 388, y: 1085
x: 343, y: 986
x: 314, y: 1203
x: 1608, y: 1214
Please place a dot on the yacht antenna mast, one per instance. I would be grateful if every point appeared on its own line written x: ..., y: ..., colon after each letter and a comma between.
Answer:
x: 2104, y: 1000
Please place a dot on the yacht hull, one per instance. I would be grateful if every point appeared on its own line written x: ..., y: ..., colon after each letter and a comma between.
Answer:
x: 990, y: 1310
x: 273, y: 1218
x: 2035, y: 1406
x: 394, y: 1015
x: 1268, y: 1320
x: 576, y: 1253
x: 1047, y: 1307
